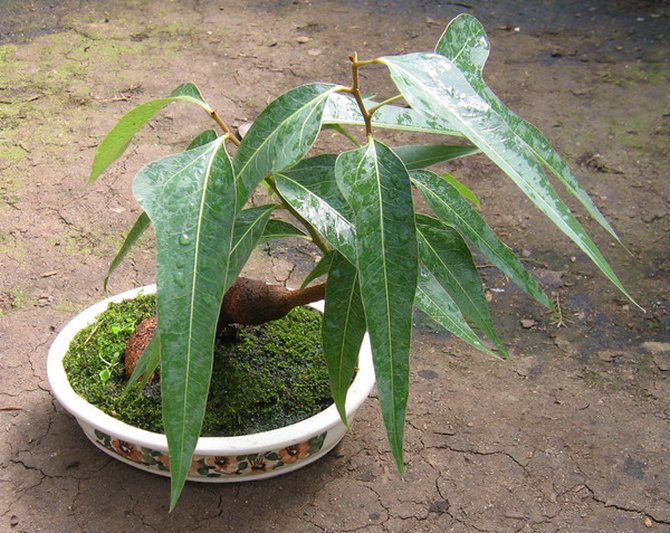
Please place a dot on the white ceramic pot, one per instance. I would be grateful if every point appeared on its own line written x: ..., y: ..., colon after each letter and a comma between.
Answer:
x: 216, y: 459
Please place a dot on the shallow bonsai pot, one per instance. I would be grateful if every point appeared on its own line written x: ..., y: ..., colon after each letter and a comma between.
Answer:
x: 216, y: 459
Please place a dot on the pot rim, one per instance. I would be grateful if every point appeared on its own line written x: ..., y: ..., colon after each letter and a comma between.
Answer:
x: 252, y: 443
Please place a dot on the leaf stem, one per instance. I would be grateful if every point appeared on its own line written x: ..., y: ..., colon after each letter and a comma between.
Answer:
x: 356, y: 91
x: 385, y: 102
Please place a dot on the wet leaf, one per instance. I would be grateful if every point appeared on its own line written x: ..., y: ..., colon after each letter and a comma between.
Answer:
x: 141, y: 224
x: 446, y: 256
x: 343, y: 328
x: 424, y: 155
x: 435, y: 87
x: 190, y: 199
x: 435, y: 301
x: 376, y: 184
x: 465, y: 42
x: 311, y: 189
x: 451, y: 208
x: 117, y: 140
x: 281, y: 135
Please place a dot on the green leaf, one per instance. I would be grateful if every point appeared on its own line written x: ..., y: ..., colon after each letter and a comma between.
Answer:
x: 376, y: 184
x: 465, y: 42
x: 452, y: 209
x: 343, y: 110
x: 311, y: 189
x: 281, y: 135
x: 446, y: 256
x: 434, y: 300
x: 141, y: 224
x: 190, y: 199
x: 280, y: 229
x: 343, y: 328
x: 461, y: 188
x: 250, y: 226
x: 422, y: 156
x: 147, y: 363
x: 435, y: 87
x: 205, y: 137
x: 117, y: 140
x: 321, y: 269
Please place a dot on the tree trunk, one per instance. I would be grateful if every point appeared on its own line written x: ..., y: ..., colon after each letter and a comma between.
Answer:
x: 248, y: 302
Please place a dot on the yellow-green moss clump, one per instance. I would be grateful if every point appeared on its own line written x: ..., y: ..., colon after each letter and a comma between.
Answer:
x: 264, y: 376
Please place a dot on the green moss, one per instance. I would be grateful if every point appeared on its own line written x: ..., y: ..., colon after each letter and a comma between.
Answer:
x: 264, y: 376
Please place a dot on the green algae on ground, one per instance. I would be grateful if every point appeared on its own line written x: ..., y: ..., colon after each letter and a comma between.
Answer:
x: 268, y: 376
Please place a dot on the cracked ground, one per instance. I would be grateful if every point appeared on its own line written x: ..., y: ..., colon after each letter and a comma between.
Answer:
x: 572, y: 435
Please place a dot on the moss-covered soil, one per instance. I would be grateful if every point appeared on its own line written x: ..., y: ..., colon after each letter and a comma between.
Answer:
x: 264, y: 377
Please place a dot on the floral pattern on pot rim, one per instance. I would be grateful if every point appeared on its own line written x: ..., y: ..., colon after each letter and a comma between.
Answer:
x: 212, y: 466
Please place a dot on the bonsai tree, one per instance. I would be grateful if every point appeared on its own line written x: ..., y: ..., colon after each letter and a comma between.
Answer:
x: 382, y: 257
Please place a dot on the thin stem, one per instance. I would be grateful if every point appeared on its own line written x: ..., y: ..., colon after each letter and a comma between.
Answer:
x: 385, y: 102
x: 222, y: 124
x: 356, y: 91
x: 338, y: 128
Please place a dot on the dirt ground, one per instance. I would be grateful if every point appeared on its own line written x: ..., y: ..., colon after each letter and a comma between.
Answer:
x: 571, y: 436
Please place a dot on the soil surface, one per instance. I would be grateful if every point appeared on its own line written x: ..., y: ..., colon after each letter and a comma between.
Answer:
x: 571, y: 435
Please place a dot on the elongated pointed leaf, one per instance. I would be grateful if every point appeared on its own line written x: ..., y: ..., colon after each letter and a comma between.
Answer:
x: 424, y: 155
x: 452, y: 209
x: 311, y: 189
x: 435, y: 87
x: 446, y: 256
x: 190, y: 199
x: 465, y: 42
x: 434, y: 300
x: 117, y: 140
x: 282, y: 134
x: 141, y: 224
x: 343, y: 328
x: 343, y: 109
x: 376, y: 184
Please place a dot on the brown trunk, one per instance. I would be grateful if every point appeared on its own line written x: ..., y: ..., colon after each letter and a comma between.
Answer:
x: 247, y: 302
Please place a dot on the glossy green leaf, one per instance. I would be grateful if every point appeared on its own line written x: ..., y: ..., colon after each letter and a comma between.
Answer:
x: 250, y: 226
x: 417, y: 156
x: 147, y: 363
x: 434, y: 300
x: 321, y: 269
x: 117, y: 140
x: 343, y: 328
x: 465, y: 42
x: 280, y: 229
x: 281, y: 135
x: 190, y: 198
x: 311, y: 189
x: 376, y: 184
x: 446, y: 256
x: 343, y: 110
x: 435, y: 87
x: 452, y: 209
x: 141, y: 224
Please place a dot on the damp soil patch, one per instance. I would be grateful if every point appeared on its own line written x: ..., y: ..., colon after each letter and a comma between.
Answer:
x: 264, y: 377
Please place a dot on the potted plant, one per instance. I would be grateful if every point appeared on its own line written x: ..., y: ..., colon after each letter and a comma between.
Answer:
x: 381, y: 256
